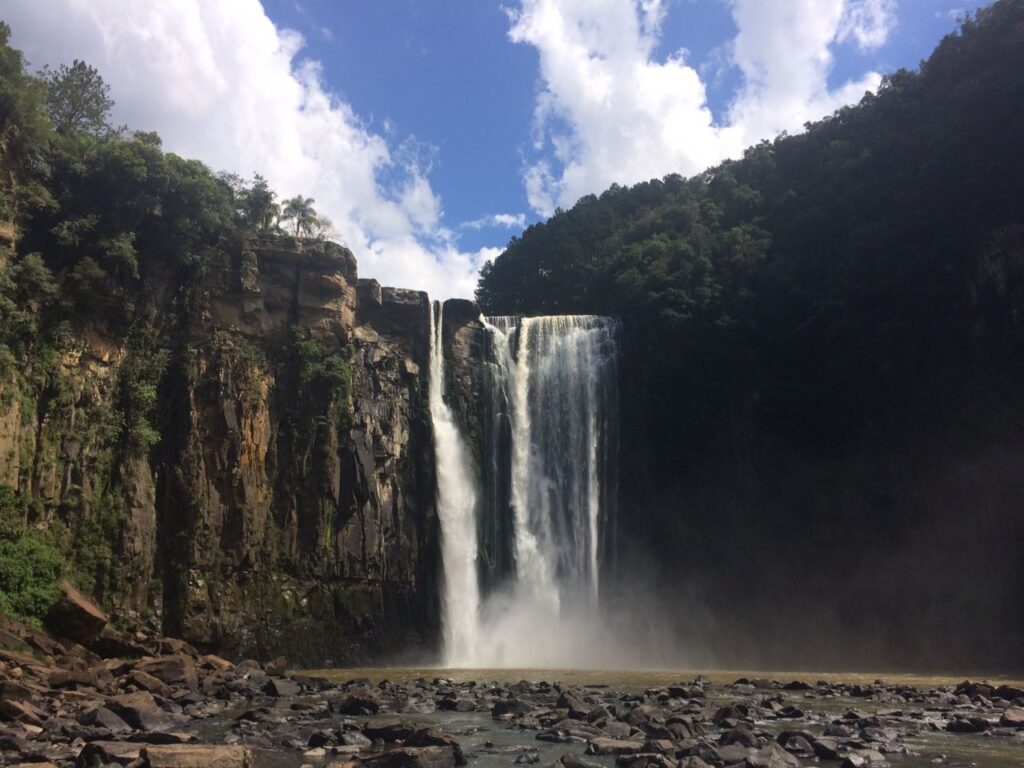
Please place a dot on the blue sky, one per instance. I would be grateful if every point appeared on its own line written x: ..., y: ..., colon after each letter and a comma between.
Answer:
x: 447, y: 73
x: 429, y: 132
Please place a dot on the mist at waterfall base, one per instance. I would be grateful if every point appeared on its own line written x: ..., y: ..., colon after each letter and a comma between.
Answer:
x: 528, y: 532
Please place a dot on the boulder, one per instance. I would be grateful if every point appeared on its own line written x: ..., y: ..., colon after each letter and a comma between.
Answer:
x: 176, y: 670
x: 280, y: 687
x: 22, y: 712
x: 574, y: 761
x: 72, y: 678
x: 773, y: 756
x: 356, y: 705
x: 101, y: 717
x: 149, y: 683
x: 389, y: 731
x: 603, y: 746
x: 510, y: 707
x: 1013, y: 717
x: 197, y: 756
x: 103, y: 752
x: 1009, y: 692
x: 75, y: 616
x: 217, y: 664
x: 110, y: 643
x: 410, y: 757
x: 140, y: 710
x: 433, y: 737
x: 276, y: 667
x: 968, y: 725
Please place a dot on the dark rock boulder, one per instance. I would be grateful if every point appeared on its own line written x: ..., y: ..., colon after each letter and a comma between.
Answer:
x: 412, y: 757
x: 75, y: 616
x: 280, y: 687
x: 197, y: 756
x: 1012, y: 717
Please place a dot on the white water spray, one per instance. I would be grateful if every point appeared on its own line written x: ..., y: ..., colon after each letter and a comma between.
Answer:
x: 546, y: 487
x: 456, y: 507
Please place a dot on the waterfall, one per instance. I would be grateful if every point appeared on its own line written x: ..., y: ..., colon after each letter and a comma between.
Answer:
x: 456, y: 508
x: 553, y: 441
x: 522, y: 588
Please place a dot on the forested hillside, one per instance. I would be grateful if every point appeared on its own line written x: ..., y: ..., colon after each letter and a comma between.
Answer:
x: 832, y: 274
x: 823, y: 378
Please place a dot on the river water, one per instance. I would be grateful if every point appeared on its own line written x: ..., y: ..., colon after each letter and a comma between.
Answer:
x: 492, y: 744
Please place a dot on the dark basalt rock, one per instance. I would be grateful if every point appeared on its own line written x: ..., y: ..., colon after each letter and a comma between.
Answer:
x: 75, y: 616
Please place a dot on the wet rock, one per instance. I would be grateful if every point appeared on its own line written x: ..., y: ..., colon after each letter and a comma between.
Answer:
x: 412, y: 757
x: 433, y: 737
x: 22, y: 712
x: 279, y: 687
x: 968, y: 725
x: 1009, y: 692
x: 604, y: 746
x: 179, y: 669
x: 1012, y: 717
x: 826, y: 748
x: 510, y: 707
x: 72, y: 678
x: 577, y: 709
x: 772, y: 756
x: 147, y: 682
x: 102, y: 752
x: 728, y: 754
x: 112, y: 643
x: 742, y: 736
x: 101, y: 717
x: 861, y: 758
x: 140, y: 710
x: 574, y: 761
x: 615, y: 729
x: 356, y: 705
x: 197, y: 756
x: 389, y: 731
x: 75, y: 616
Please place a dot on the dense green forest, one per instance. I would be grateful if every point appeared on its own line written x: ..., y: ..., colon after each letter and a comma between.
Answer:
x: 103, y: 232
x: 826, y: 279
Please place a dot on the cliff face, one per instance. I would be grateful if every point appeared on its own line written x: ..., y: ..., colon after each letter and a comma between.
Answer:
x: 901, y: 548
x: 283, y: 497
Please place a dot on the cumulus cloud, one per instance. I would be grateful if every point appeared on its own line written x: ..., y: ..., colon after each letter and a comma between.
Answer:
x: 611, y: 111
x: 497, y: 221
x: 220, y: 82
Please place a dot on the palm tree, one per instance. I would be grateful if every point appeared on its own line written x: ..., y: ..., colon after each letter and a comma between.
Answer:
x: 300, y: 210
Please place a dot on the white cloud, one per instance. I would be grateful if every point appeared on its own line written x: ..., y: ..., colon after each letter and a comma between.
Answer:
x: 610, y: 111
x: 869, y: 22
x: 220, y: 82
x: 497, y: 221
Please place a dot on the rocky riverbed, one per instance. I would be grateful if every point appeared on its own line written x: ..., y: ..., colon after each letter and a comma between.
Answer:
x: 134, y: 700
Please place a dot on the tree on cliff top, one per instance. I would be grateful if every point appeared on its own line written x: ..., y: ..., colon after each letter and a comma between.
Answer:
x: 23, y: 127
x: 78, y: 101
x: 300, y: 211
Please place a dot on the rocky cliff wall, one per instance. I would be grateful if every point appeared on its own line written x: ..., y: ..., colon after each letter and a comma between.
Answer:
x: 278, y: 495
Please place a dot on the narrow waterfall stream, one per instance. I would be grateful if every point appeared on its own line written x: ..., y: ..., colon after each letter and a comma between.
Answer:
x: 457, y: 508
x: 525, y: 532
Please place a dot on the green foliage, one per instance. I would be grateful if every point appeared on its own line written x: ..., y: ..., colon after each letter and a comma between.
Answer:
x: 257, y: 206
x: 326, y: 371
x: 242, y: 361
x: 829, y: 277
x: 24, y: 130
x: 77, y: 100
x: 30, y: 567
x: 300, y: 212
x: 95, y: 540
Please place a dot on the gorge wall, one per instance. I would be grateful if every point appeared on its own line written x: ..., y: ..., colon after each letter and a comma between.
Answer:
x: 279, y: 498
